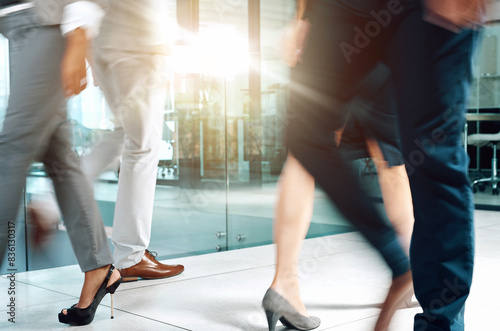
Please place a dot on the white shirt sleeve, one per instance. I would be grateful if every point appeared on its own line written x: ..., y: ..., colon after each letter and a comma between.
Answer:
x: 82, y: 14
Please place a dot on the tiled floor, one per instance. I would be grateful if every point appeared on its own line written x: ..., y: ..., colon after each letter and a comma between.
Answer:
x: 343, y: 283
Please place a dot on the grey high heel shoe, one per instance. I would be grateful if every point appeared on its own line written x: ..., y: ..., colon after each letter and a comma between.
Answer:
x: 277, y: 308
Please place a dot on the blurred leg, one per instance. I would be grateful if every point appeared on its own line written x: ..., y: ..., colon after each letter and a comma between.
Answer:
x: 396, y: 193
x: 105, y: 153
x: 431, y: 112
x: 291, y: 221
x: 80, y: 213
x: 35, y: 96
x: 110, y: 146
x: 135, y: 90
x: 321, y: 87
x: 32, y: 129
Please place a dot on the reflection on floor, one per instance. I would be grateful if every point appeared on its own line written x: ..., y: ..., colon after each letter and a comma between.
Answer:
x: 342, y: 281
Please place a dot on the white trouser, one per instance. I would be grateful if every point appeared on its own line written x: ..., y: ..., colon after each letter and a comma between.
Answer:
x: 135, y: 89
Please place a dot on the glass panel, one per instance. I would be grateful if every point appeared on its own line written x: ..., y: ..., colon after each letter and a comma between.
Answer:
x: 226, y: 22
x: 189, y: 207
x: 15, y: 258
x: 256, y: 137
x: 257, y: 132
x: 4, y: 77
x: 192, y: 209
x: 222, y: 149
x: 56, y: 250
x: 485, y: 99
x: 223, y: 29
x: 190, y: 203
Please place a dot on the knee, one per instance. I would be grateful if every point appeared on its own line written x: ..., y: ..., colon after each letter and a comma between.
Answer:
x: 144, y: 153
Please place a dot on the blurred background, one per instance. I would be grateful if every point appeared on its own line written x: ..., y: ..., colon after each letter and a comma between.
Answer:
x: 222, y: 150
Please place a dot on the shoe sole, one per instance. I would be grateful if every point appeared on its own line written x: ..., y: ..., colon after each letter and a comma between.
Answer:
x: 127, y: 279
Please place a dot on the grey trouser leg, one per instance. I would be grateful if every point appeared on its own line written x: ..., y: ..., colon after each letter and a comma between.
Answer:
x: 35, y: 127
x: 80, y: 213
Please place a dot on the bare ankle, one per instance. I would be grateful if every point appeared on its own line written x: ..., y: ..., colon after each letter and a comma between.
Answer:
x: 290, y: 291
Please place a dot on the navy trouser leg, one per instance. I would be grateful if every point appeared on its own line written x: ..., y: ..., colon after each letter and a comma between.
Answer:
x: 432, y: 73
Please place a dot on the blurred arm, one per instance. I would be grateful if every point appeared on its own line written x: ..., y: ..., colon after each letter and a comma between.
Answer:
x: 296, y: 37
x: 81, y: 22
x: 301, y: 8
x: 456, y: 15
x: 82, y: 14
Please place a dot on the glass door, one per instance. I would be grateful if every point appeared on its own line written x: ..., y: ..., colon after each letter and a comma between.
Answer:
x: 256, y: 123
x: 484, y: 112
x: 222, y: 149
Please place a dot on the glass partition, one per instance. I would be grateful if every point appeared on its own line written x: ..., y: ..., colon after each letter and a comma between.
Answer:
x: 485, y: 100
x: 222, y: 148
x: 4, y: 77
x: 258, y: 133
x: 18, y: 234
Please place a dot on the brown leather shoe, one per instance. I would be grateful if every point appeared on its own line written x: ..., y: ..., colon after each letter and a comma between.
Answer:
x: 149, y: 268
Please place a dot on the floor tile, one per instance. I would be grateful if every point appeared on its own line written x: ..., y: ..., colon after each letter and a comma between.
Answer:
x: 232, y: 301
x: 65, y: 280
x: 487, y: 243
x: 27, y: 295
x: 481, y: 317
x: 343, y: 281
x: 485, y: 218
x: 485, y: 284
x: 44, y: 317
x: 221, y: 302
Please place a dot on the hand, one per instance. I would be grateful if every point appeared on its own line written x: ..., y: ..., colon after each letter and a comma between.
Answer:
x: 296, y: 41
x: 90, y: 61
x: 73, y: 66
x: 338, y: 135
x: 455, y: 15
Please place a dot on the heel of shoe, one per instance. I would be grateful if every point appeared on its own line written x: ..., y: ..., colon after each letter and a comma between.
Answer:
x: 127, y: 279
x: 112, y: 288
x: 272, y: 320
x: 112, y: 304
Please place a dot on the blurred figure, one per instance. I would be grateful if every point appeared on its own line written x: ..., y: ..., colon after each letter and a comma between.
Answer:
x: 47, y: 49
x: 430, y: 63
x: 370, y: 131
x: 130, y: 68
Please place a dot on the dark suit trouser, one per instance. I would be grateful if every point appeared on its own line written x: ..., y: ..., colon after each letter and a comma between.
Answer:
x: 35, y: 127
x: 431, y: 68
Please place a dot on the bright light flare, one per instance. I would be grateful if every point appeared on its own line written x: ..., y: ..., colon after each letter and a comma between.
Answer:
x: 219, y: 50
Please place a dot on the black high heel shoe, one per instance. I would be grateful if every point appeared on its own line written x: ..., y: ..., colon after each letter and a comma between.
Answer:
x: 84, y: 316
